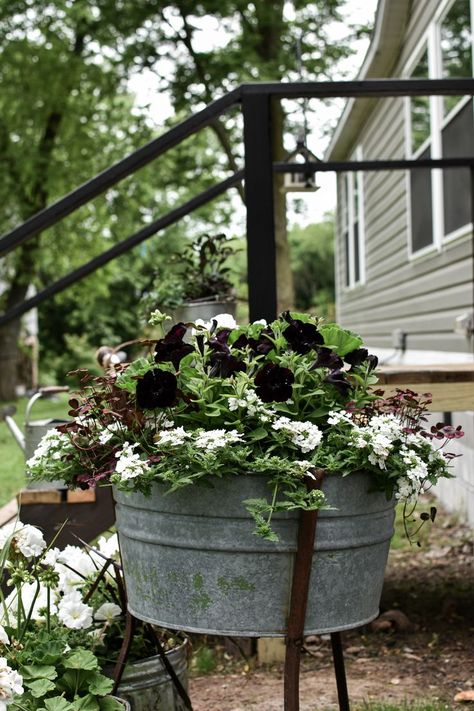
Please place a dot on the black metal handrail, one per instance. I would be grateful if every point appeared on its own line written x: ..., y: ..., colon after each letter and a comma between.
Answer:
x: 122, y: 247
x: 117, y: 172
x: 258, y: 175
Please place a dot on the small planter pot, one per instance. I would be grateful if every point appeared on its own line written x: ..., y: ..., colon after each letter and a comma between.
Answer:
x: 146, y: 685
x: 191, y: 561
x: 205, y: 309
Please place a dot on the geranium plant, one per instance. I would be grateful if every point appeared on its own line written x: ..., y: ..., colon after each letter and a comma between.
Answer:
x: 47, y: 630
x: 62, y: 623
x: 284, y: 399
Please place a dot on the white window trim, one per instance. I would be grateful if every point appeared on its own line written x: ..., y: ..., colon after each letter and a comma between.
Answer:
x: 431, y: 41
x: 348, y: 212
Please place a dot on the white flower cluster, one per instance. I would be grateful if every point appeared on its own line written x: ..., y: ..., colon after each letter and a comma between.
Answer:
x: 25, y: 539
x: 3, y: 636
x: 32, y: 600
x: 378, y: 436
x: 10, y: 684
x: 411, y: 484
x: 211, y: 440
x: 73, y: 612
x: 129, y: 463
x: 108, y: 432
x: 335, y: 417
x: 172, y: 437
x: 53, y: 445
x: 305, y: 435
x: 252, y: 404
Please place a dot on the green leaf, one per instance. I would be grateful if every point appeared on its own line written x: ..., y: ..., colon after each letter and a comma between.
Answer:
x: 259, y: 433
x: 40, y: 687
x: 86, y: 703
x: 100, y: 684
x: 81, y: 659
x: 342, y: 341
x: 38, y: 671
x: 127, y: 380
x: 111, y: 703
x: 57, y: 703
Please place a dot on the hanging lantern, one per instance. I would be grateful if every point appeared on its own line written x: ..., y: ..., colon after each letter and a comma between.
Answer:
x: 303, y: 181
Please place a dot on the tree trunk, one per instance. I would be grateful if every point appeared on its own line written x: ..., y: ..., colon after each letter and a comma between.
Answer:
x: 285, y: 289
x: 9, y: 357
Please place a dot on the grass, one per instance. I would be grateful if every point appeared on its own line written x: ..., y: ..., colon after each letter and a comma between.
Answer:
x: 12, y: 460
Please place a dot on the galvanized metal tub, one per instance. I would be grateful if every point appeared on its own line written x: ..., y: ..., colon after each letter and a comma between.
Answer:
x: 146, y: 685
x: 191, y: 561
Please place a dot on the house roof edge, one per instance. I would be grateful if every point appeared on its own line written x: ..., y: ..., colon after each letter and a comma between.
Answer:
x: 390, y: 24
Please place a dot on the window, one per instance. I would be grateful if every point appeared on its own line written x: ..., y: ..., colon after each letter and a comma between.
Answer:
x: 420, y: 147
x: 352, y: 219
x: 441, y: 127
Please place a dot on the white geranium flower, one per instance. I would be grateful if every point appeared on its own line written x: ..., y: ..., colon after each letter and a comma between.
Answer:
x: 3, y: 636
x: 31, y: 601
x: 73, y: 613
x: 73, y: 565
x: 109, y: 546
x: 108, y: 611
x: 51, y: 556
x: 10, y: 684
x: 26, y: 539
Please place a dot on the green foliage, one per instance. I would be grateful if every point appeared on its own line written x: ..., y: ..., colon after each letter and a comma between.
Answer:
x: 312, y: 264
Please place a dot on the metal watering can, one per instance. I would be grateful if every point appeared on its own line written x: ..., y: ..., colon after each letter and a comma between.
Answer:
x: 34, y: 430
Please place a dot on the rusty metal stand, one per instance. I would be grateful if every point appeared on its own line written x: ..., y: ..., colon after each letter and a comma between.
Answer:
x: 298, y: 603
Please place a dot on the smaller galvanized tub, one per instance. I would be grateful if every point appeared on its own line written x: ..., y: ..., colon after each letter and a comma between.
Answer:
x: 192, y: 562
x: 146, y: 685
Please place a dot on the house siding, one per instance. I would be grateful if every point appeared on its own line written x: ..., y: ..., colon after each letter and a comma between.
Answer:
x: 421, y: 295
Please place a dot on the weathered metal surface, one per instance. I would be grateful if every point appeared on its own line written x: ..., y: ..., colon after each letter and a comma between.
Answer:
x: 191, y: 560
x: 205, y: 310
x: 147, y: 686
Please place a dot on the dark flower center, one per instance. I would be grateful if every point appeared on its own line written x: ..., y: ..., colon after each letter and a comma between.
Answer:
x: 274, y: 383
x: 157, y: 388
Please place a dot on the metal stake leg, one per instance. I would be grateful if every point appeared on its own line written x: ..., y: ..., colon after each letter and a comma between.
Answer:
x: 340, y: 671
x: 299, y: 598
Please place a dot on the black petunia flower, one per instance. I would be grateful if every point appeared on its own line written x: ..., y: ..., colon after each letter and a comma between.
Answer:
x: 223, y: 364
x: 171, y: 347
x: 274, y: 383
x: 261, y: 345
x: 356, y: 357
x: 301, y: 336
x: 338, y: 379
x: 326, y: 358
x: 157, y: 388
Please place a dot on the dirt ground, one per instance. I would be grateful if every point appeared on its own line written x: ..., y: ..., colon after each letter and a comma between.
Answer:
x: 420, y: 649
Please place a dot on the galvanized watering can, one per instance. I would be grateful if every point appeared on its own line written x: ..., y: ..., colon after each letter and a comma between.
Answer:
x: 191, y: 561
x: 34, y: 430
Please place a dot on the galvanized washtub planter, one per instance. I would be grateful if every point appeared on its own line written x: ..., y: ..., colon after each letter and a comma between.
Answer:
x: 146, y: 685
x: 191, y: 561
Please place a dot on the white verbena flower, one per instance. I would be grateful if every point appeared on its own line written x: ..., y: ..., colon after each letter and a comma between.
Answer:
x: 215, y: 439
x: 337, y: 416
x: 108, y: 611
x: 73, y: 613
x: 173, y: 437
x: 53, y: 445
x: 10, y: 684
x: 305, y: 435
x: 129, y: 464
